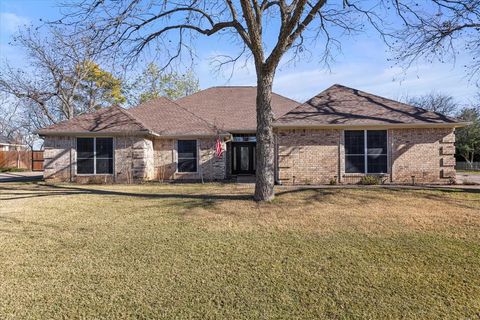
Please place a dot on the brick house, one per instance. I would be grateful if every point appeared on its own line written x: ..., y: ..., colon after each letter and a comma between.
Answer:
x: 9, y: 144
x: 340, y: 134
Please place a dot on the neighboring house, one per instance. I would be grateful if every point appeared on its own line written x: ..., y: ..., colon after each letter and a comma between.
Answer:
x: 341, y: 134
x: 8, y: 144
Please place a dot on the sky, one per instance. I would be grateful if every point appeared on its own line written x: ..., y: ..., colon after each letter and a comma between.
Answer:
x: 363, y: 63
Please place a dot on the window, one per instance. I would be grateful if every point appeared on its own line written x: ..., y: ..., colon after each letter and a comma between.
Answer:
x: 187, y: 156
x: 244, y: 138
x: 94, y: 155
x: 366, y: 151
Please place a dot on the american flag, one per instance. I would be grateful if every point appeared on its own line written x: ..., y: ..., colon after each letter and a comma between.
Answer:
x: 218, y: 148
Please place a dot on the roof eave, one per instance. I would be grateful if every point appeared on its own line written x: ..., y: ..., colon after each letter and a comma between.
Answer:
x: 386, y: 126
x: 96, y: 133
x: 192, y: 136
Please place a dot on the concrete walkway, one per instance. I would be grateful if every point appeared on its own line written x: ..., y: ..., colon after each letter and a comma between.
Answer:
x: 472, y: 180
x: 468, y: 178
x: 21, y: 176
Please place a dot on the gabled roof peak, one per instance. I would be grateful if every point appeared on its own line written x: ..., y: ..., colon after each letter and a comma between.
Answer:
x: 342, y: 105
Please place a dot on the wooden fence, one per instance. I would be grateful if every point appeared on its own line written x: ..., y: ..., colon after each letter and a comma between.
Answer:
x: 28, y: 160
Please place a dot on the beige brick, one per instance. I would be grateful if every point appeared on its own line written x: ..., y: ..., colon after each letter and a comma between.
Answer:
x: 448, y: 161
x: 312, y: 156
x: 448, y: 149
x: 418, y: 153
x: 307, y: 156
x: 133, y: 161
x: 209, y: 166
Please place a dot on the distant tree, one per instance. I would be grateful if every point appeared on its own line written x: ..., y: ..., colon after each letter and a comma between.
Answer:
x: 60, y: 78
x: 435, y: 102
x: 13, y: 124
x: 468, y: 138
x: 155, y: 82
x: 98, y: 88
x: 264, y: 32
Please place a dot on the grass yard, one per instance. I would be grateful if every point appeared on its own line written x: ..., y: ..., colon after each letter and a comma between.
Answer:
x: 208, y: 251
x: 468, y: 171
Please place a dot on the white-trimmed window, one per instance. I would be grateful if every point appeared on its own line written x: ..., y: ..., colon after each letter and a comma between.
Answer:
x: 94, y: 155
x: 366, y: 151
x: 187, y: 156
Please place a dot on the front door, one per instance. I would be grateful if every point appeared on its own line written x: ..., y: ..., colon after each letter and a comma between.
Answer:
x: 243, y: 158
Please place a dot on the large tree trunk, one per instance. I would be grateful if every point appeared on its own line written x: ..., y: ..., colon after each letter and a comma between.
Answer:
x: 265, y: 157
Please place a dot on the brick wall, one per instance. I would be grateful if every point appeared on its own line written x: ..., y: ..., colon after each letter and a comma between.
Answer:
x: 58, y: 155
x: 305, y: 156
x: 133, y: 161
x: 165, y: 161
x: 308, y: 156
x: 317, y: 156
x: 426, y: 154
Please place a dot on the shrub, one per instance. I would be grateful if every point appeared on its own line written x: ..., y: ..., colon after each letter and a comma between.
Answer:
x: 369, y: 180
x: 333, y: 181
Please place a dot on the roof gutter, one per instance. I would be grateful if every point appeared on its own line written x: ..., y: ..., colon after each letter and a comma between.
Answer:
x: 384, y: 126
x: 126, y: 133
x: 185, y: 136
x: 96, y: 134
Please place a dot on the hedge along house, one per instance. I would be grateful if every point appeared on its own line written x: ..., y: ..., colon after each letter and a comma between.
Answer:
x: 339, y: 135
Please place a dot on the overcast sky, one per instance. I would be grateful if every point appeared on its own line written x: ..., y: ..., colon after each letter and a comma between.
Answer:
x: 363, y: 63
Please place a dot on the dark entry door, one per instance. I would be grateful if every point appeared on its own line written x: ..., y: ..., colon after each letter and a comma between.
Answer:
x: 243, y: 158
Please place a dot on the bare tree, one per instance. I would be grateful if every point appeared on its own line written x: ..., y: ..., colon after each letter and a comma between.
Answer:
x: 13, y: 123
x: 435, y: 102
x: 60, y: 80
x: 439, y: 29
x: 130, y: 27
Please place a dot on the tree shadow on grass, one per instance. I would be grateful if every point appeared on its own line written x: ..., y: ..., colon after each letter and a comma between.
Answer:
x: 208, y: 200
x: 374, y: 193
x: 41, y: 190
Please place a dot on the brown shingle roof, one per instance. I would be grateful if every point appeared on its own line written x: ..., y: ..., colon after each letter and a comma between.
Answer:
x: 167, y: 118
x: 232, y: 108
x: 108, y: 120
x: 340, y: 105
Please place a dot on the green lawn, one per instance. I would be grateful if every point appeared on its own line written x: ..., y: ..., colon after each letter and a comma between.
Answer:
x: 209, y: 251
x: 468, y: 171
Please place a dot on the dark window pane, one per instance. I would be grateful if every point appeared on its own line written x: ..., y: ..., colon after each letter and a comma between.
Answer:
x: 187, y: 165
x: 104, y: 166
x: 354, y: 164
x: 377, y: 142
x: 187, y: 149
x: 85, y: 166
x: 377, y: 164
x: 84, y: 147
x: 354, y: 142
x: 104, y: 148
